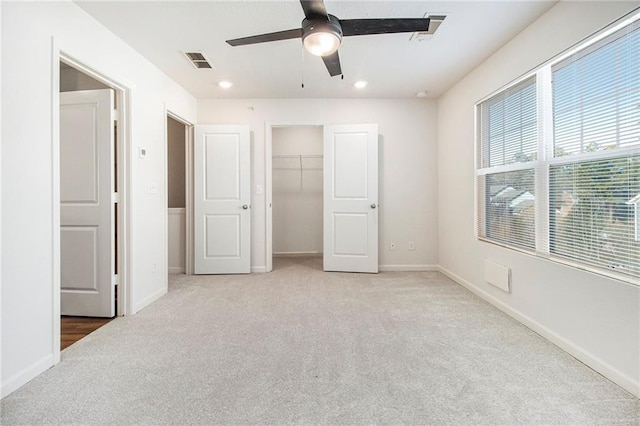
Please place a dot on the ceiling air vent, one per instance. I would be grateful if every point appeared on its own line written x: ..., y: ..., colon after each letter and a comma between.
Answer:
x: 434, y: 23
x: 198, y: 60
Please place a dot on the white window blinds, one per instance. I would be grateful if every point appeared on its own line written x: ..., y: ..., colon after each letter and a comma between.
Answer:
x: 508, y: 123
x: 593, y: 217
x: 509, y: 208
x: 596, y: 96
x: 596, y: 116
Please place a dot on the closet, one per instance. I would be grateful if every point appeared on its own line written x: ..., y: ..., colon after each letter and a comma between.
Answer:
x: 297, y: 191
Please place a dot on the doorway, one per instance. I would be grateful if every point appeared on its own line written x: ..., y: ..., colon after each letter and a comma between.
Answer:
x: 90, y: 183
x: 178, y: 170
x: 297, y: 192
x: 349, y: 192
x: 88, y: 215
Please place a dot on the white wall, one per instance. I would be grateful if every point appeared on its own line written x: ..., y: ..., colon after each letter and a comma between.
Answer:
x: 408, y: 168
x: 297, y: 190
x: 177, y: 237
x: 595, y: 318
x: 28, y: 32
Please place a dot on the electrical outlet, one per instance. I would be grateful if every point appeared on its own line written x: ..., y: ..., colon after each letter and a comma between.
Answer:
x: 412, y: 245
x: 154, y: 268
x: 392, y: 245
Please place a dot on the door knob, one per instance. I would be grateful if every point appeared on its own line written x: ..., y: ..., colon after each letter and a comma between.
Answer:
x: 373, y: 206
x: 245, y: 206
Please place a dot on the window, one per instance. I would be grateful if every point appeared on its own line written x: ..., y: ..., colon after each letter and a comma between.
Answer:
x: 508, y: 127
x: 580, y: 154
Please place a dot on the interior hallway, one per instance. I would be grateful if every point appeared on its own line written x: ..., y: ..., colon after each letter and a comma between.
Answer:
x: 302, y: 346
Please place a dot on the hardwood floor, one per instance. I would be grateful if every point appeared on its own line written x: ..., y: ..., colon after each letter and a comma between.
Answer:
x: 73, y: 329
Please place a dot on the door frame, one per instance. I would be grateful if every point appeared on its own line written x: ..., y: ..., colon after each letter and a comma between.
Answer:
x: 124, y: 100
x: 188, y: 190
x: 268, y: 171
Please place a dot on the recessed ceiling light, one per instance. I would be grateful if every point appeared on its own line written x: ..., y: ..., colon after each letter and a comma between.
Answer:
x: 225, y: 84
x: 422, y: 94
x: 360, y: 84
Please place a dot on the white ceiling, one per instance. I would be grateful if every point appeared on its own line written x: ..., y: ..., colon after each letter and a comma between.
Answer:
x: 394, y: 66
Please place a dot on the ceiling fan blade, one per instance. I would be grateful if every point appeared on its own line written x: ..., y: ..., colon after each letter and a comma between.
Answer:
x: 355, y: 27
x: 332, y: 62
x: 263, y: 38
x: 313, y: 9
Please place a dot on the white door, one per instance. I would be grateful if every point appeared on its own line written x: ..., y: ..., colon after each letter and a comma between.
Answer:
x: 351, y: 198
x: 222, y: 200
x: 87, y: 237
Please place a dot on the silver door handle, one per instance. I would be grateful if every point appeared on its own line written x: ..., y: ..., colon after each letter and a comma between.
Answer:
x: 373, y: 206
x: 245, y: 206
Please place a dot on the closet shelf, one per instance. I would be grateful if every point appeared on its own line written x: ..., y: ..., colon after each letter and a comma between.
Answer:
x: 299, y: 163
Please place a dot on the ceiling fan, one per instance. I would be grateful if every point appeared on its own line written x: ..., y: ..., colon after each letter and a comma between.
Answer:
x: 322, y: 33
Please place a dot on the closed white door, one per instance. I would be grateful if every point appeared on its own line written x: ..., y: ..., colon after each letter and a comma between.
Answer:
x: 87, y: 228
x: 222, y: 200
x: 351, y: 198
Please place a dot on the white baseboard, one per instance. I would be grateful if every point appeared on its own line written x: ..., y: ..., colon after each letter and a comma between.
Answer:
x: 149, y: 300
x: 258, y: 269
x: 408, y: 268
x: 602, y: 367
x: 26, y: 375
x: 297, y: 254
x: 176, y: 269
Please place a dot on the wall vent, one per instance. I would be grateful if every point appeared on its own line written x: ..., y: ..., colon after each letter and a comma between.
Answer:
x: 434, y: 23
x: 497, y: 275
x: 198, y: 60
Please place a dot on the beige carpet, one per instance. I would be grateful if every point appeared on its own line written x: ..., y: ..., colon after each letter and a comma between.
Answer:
x: 302, y: 346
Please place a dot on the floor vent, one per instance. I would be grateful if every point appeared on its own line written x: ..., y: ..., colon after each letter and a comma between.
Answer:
x: 198, y: 60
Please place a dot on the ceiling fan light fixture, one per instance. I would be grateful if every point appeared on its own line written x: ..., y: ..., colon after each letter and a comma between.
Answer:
x: 321, y: 38
x: 321, y: 44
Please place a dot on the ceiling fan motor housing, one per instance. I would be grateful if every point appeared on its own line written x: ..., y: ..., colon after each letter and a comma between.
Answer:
x: 322, y: 36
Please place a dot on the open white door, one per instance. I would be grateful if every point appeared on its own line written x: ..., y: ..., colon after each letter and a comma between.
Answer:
x: 222, y: 196
x: 351, y: 198
x: 87, y: 214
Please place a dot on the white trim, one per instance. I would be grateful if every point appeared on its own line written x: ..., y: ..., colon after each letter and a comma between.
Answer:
x: 55, y: 201
x: 408, y: 268
x: 592, y: 361
x: 188, y: 193
x: 125, y: 185
x: 176, y: 270
x: 177, y: 210
x: 505, y: 168
x: 259, y: 269
x: 26, y: 375
x: 124, y: 95
x: 150, y: 299
x: 268, y: 198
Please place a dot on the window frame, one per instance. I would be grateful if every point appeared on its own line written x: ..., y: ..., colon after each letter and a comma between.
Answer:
x: 545, y: 160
